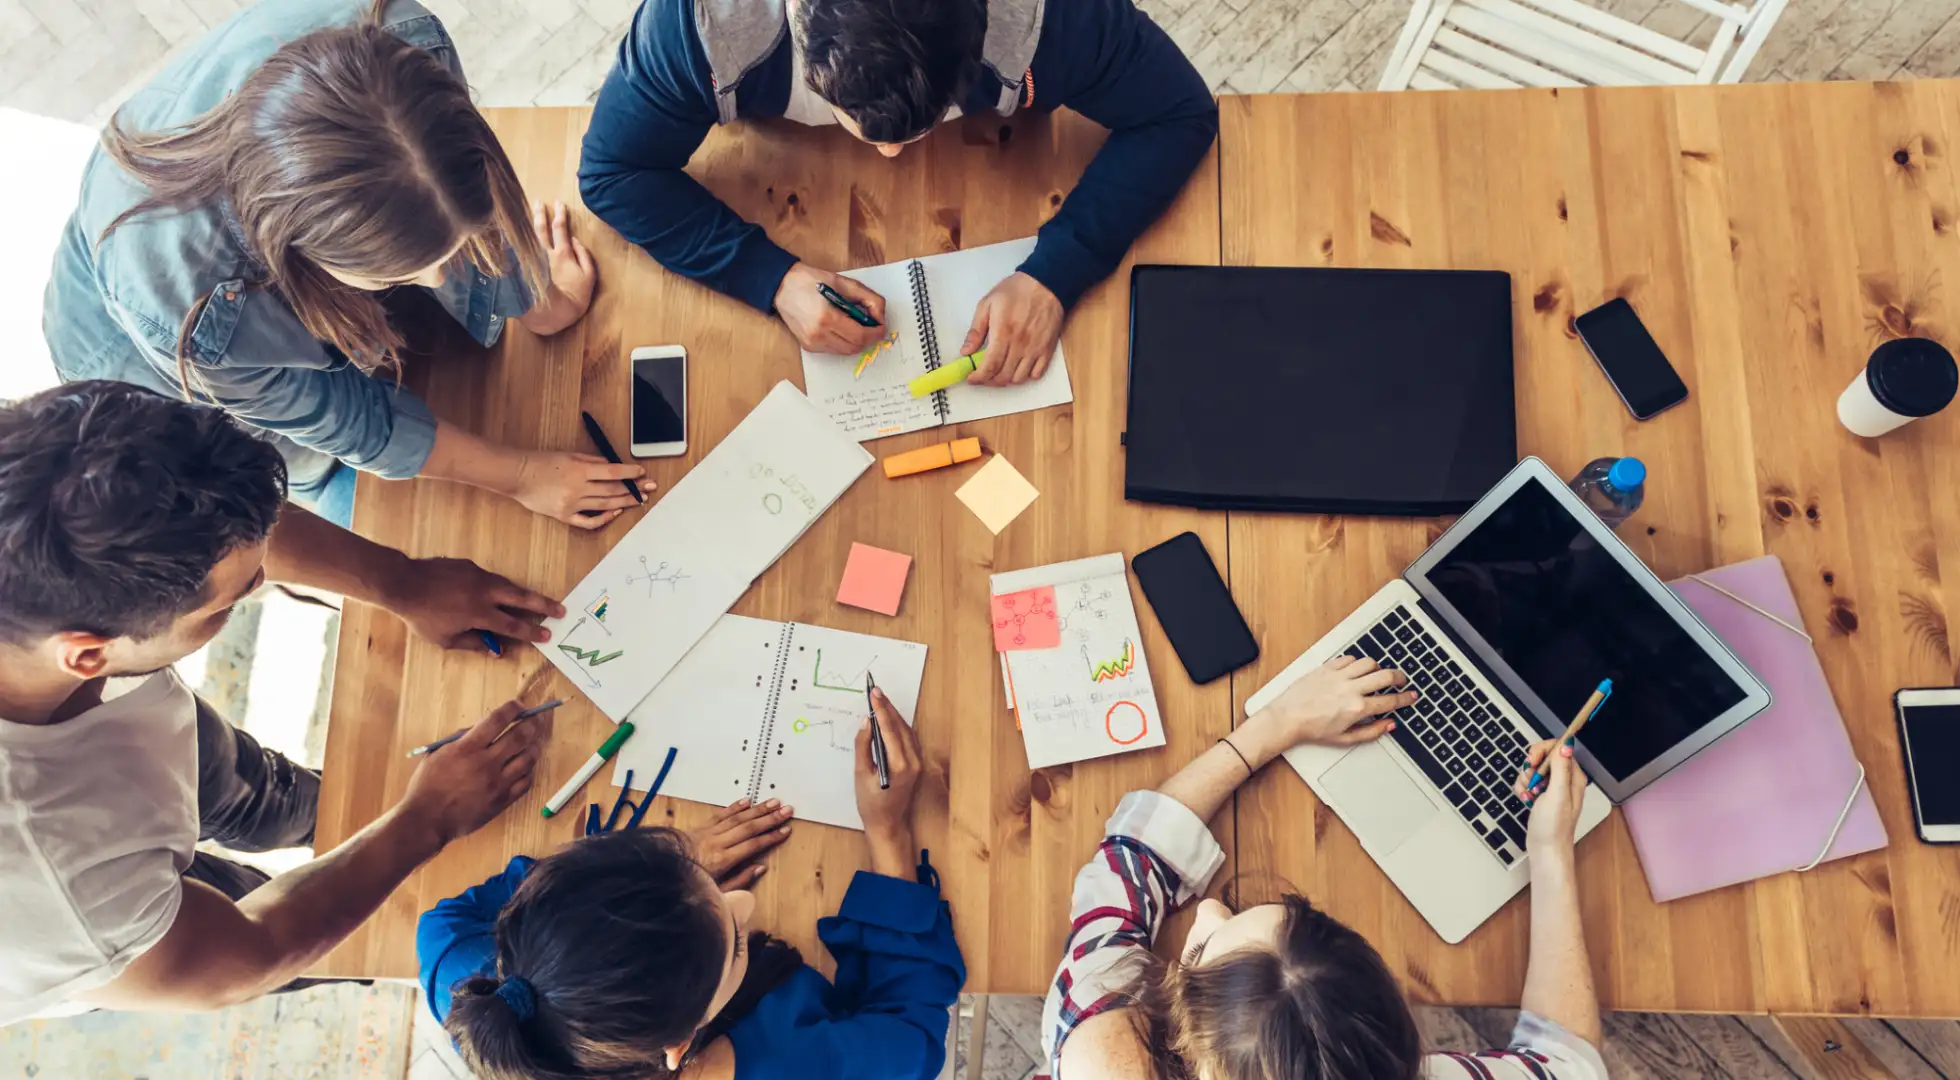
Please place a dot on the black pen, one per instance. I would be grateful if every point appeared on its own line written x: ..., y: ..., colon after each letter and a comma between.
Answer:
x: 877, y: 738
x: 861, y: 316
x: 604, y: 444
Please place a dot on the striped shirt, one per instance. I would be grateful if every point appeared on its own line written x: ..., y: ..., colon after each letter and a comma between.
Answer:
x: 1157, y: 856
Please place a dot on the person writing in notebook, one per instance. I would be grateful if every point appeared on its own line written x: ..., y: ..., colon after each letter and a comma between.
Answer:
x: 888, y: 72
x: 131, y: 524
x: 632, y: 954
x: 1283, y: 989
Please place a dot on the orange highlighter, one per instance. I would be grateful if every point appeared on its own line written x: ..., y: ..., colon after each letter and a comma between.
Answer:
x: 932, y: 457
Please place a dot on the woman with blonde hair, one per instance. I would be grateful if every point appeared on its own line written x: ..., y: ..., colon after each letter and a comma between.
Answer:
x: 251, y: 207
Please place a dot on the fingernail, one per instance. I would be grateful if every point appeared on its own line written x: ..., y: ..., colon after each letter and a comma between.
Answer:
x: 1565, y: 751
x: 758, y: 872
x: 787, y: 810
x: 772, y: 804
x: 740, y: 803
x: 1391, y: 725
x: 547, y: 633
x: 784, y: 830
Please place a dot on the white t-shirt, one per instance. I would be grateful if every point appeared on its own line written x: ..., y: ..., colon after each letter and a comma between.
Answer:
x: 98, y: 821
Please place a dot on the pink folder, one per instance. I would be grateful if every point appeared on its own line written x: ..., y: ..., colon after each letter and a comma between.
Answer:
x: 1765, y: 798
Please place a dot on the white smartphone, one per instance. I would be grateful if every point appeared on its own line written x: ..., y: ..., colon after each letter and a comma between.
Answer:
x: 1929, y: 732
x: 659, y: 401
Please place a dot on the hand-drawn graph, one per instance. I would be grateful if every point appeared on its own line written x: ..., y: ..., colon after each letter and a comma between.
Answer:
x: 1115, y: 668
x: 597, y: 609
x: 849, y: 684
x: 1090, y: 600
x: 591, y: 657
x: 870, y: 356
x: 665, y: 574
x: 839, y: 730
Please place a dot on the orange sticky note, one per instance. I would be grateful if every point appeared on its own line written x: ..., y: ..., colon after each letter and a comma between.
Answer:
x: 874, y: 579
x: 1026, y: 620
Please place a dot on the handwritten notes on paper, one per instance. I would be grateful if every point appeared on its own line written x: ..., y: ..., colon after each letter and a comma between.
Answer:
x: 695, y: 552
x: 1087, y: 692
x: 1026, y: 620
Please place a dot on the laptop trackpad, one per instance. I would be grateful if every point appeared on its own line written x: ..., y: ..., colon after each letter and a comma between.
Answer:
x: 1377, y: 799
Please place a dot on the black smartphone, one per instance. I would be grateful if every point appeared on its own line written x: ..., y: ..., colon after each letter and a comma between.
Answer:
x: 1929, y: 737
x: 1633, y: 363
x: 1191, y: 600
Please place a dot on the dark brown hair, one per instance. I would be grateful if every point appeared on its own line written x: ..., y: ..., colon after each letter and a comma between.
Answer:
x: 1319, y: 1005
x: 892, y: 66
x: 348, y: 148
x: 116, y: 504
x: 620, y: 948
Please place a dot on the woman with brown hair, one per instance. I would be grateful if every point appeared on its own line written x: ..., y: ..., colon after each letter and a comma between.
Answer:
x: 1283, y: 991
x: 250, y: 207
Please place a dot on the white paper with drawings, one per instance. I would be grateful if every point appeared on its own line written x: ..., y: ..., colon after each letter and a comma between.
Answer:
x: 769, y: 710
x: 880, y: 402
x: 1090, y: 696
x: 697, y: 550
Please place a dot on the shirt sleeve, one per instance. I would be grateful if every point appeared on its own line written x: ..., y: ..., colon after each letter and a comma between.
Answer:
x: 1156, y: 855
x: 655, y: 108
x: 899, y: 972
x: 1111, y: 63
x: 458, y: 937
x: 1540, y: 1050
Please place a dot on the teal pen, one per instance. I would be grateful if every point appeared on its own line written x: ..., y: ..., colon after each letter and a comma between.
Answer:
x: 1586, y: 713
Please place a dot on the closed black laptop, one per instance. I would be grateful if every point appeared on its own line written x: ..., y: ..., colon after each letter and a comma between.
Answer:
x: 1320, y: 390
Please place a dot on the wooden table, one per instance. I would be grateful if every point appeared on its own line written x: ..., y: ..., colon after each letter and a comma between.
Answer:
x: 1770, y: 236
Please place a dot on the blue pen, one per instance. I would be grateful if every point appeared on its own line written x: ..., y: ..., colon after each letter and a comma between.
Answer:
x: 490, y: 642
x: 1586, y: 712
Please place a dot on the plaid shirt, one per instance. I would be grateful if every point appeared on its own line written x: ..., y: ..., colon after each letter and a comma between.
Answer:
x: 1156, y: 856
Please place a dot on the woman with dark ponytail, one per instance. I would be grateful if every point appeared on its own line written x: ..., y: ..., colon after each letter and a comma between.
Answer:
x: 622, y: 957
x: 249, y: 209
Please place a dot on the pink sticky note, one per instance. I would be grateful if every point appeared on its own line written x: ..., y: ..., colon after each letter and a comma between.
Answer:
x: 874, y: 579
x: 1026, y: 620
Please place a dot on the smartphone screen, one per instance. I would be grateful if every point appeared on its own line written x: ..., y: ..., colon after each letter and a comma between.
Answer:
x: 1632, y: 361
x: 1932, y: 738
x: 1199, y: 616
x: 659, y: 400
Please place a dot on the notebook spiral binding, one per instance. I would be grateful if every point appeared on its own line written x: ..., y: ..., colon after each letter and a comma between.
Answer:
x: 768, y: 729
x: 928, y: 334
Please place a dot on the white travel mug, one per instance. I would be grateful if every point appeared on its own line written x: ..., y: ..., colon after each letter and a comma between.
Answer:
x: 1906, y: 378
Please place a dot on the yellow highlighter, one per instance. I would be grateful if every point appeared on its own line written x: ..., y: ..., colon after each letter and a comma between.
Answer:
x: 941, y: 378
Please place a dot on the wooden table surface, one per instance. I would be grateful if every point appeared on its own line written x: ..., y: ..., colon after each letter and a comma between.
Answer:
x: 1770, y: 235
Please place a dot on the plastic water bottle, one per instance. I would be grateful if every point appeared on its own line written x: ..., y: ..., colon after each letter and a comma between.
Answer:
x: 1612, y: 488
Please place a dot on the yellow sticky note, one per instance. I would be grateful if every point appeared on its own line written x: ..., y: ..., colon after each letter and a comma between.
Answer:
x: 997, y: 494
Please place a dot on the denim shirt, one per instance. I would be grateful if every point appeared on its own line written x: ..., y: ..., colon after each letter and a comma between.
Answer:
x: 113, y: 310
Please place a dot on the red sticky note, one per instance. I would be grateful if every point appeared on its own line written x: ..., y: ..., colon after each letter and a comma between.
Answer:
x: 1026, y: 620
x: 874, y: 579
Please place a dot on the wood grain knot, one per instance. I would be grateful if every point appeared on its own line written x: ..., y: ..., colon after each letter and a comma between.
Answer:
x: 1702, y: 156
x: 1562, y: 216
x: 1039, y: 789
x: 1781, y: 505
x: 1942, y: 221
x: 792, y: 199
x: 1547, y: 297
x: 1571, y: 328
x: 1902, y: 156
x: 1926, y: 624
x: 1843, y: 618
x: 1651, y: 530
x: 947, y: 218
x: 1385, y: 231
x: 1830, y: 578
x: 1810, y: 513
x: 1054, y: 199
x: 1896, y: 320
x: 1327, y: 246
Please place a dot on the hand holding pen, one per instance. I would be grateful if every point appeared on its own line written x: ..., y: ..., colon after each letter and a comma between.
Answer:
x: 887, y: 810
x: 878, y: 760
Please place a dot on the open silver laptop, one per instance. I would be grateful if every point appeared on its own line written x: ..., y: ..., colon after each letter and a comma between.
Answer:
x: 1505, y: 625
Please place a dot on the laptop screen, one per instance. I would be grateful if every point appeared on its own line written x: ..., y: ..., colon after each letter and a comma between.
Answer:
x: 1564, y: 613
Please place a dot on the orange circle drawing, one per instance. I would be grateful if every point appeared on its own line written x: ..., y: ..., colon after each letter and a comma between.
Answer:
x: 1109, y: 723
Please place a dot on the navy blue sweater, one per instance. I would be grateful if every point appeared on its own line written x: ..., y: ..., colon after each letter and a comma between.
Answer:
x: 1101, y: 58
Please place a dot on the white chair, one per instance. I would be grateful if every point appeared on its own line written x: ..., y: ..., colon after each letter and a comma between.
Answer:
x: 1504, y: 44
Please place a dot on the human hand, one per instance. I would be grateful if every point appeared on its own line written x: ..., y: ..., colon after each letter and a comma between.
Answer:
x: 730, y: 846
x: 1020, y: 323
x: 447, y: 600
x: 583, y: 490
x: 887, y: 812
x: 1554, y: 822
x: 458, y: 788
x: 1337, y: 704
x: 572, y: 273
x: 819, y: 327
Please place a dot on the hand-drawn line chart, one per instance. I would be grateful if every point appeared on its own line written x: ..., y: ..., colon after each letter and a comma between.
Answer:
x: 665, y: 574
x: 591, y: 657
x: 1115, y: 668
x: 849, y: 684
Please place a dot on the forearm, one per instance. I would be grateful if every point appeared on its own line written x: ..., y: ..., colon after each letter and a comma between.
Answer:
x: 1558, y: 983
x: 473, y: 460
x: 311, y: 551
x: 1214, y: 775
x: 894, y: 852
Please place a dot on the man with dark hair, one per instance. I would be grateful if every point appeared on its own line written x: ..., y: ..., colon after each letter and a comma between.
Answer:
x: 130, y: 525
x: 888, y: 71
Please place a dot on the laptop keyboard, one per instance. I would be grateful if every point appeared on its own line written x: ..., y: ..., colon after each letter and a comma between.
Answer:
x: 1465, y: 744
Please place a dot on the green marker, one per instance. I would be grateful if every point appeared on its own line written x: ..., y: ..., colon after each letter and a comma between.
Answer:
x: 957, y: 371
x: 592, y: 765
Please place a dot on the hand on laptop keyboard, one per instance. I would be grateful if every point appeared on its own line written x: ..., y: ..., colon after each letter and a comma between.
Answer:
x: 1341, y: 703
x: 1554, y: 816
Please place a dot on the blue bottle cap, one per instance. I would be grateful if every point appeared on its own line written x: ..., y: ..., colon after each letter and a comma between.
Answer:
x: 1627, y: 473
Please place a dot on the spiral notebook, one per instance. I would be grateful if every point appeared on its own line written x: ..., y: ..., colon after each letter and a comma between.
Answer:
x: 929, y: 307
x: 769, y: 710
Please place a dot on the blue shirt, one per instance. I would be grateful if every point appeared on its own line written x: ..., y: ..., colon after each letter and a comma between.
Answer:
x: 113, y: 310
x: 898, y: 972
x: 1101, y: 58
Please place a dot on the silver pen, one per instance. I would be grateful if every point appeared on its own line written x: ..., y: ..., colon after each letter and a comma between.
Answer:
x: 525, y: 715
